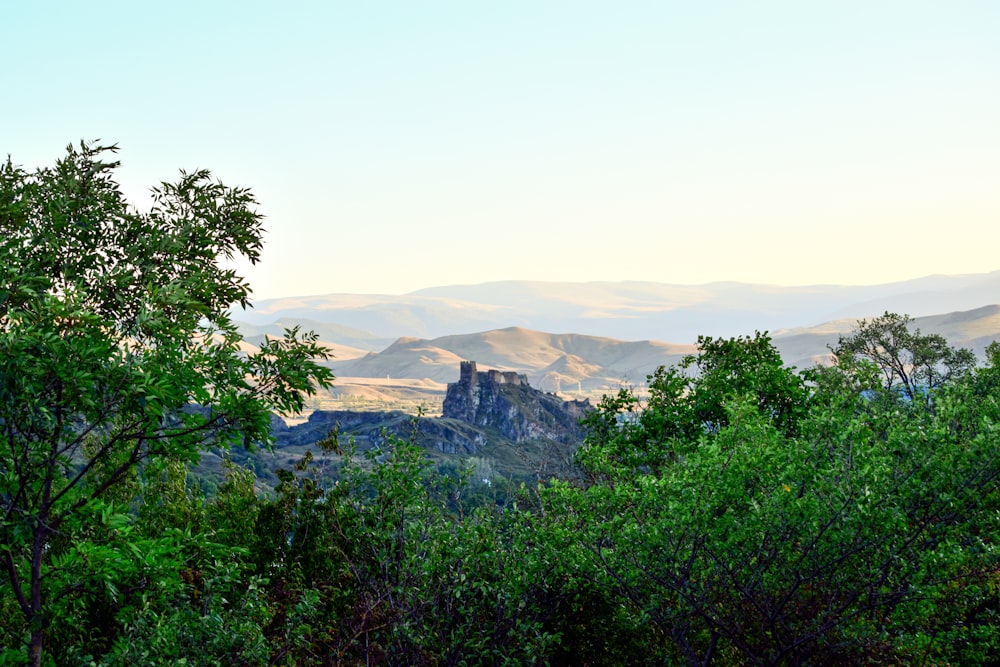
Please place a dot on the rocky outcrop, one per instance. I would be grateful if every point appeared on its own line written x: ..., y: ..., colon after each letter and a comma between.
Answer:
x: 506, y: 402
x: 371, y: 428
x: 479, y: 406
x: 364, y: 425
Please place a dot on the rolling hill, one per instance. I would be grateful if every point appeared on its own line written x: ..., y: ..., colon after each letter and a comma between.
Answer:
x: 571, y: 359
x: 571, y: 362
x: 411, y: 345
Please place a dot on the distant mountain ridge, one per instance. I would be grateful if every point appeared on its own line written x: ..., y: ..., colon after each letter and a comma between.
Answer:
x: 618, y: 329
x: 622, y: 310
x: 551, y: 362
x: 569, y: 362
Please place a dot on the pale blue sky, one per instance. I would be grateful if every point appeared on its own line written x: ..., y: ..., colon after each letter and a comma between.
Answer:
x: 400, y: 145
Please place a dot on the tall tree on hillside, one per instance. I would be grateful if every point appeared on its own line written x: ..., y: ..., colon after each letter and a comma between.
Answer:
x: 116, y: 347
x: 911, y: 362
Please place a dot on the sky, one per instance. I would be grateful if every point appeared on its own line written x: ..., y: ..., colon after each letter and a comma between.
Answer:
x: 400, y: 145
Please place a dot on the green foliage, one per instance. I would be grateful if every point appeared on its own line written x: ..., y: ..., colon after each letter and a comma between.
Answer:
x: 844, y: 525
x: 116, y: 348
x: 379, y: 568
x: 197, y: 600
x: 916, y: 364
x: 215, y: 617
x: 690, y: 401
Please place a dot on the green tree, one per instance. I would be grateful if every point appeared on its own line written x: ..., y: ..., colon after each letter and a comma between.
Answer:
x: 185, y: 589
x: 689, y: 401
x: 386, y: 566
x: 906, y: 359
x: 860, y: 530
x: 116, y: 347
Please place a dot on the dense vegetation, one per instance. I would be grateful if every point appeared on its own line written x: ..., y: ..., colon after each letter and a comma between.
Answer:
x: 116, y: 352
x: 743, y: 513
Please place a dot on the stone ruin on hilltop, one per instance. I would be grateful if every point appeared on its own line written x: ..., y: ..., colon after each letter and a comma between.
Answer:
x: 479, y: 407
x: 505, y: 401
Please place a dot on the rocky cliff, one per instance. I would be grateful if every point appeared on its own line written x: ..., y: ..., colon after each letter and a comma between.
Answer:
x: 480, y: 406
x: 506, y: 402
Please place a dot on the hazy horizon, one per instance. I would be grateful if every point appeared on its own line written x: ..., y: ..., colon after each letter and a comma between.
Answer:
x: 625, y: 280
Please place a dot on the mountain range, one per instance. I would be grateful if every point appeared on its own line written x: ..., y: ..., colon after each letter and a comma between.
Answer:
x: 415, y: 342
x: 621, y: 310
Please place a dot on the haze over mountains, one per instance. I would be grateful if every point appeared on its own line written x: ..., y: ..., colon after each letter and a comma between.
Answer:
x: 608, y: 332
x: 625, y: 310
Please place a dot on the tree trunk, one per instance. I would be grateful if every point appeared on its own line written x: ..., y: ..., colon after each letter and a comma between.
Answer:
x: 35, y: 648
x: 36, y: 621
